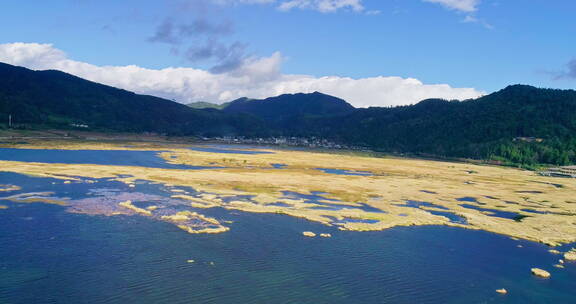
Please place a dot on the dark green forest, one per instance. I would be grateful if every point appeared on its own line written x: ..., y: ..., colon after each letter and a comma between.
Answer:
x: 519, y: 125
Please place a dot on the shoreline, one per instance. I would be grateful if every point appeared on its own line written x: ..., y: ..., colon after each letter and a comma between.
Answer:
x: 112, y: 138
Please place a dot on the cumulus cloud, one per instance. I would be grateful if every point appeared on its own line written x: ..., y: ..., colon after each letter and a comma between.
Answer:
x: 467, y: 6
x: 254, y: 78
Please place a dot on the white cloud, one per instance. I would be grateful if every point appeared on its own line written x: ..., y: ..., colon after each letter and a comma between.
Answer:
x: 329, y: 6
x: 472, y: 19
x: 467, y: 6
x: 255, y: 78
x: 323, y: 6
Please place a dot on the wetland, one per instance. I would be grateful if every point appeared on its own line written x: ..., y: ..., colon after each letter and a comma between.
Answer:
x: 206, y: 194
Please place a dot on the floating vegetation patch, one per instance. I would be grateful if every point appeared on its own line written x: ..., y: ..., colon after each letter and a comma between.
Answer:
x: 112, y: 203
x: 146, y: 205
x: 8, y: 188
x: 36, y: 197
x: 193, y: 222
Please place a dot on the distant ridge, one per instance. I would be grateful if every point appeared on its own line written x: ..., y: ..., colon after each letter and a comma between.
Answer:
x: 519, y: 124
x: 207, y: 105
x: 285, y: 109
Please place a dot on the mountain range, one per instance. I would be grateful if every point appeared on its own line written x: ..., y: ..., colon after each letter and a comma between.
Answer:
x: 517, y: 125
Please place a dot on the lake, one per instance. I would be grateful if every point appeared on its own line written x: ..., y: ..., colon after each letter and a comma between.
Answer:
x: 148, y: 159
x: 50, y: 255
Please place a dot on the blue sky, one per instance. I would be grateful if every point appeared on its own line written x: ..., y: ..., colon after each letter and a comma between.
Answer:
x: 479, y: 44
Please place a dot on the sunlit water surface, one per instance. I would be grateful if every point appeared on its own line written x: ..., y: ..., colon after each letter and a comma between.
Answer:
x: 51, y: 256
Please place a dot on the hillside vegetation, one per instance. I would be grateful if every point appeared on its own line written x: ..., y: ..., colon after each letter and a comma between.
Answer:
x: 519, y: 125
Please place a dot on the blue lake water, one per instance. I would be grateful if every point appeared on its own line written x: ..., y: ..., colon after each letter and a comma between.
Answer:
x: 534, y: 211
x: 468, y: 199
x: 149, y: 159
x: 345, y: 172
x: 51, y: 256
x: 454, y: 218
x: 496, y: 213
x: 417, y: 204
